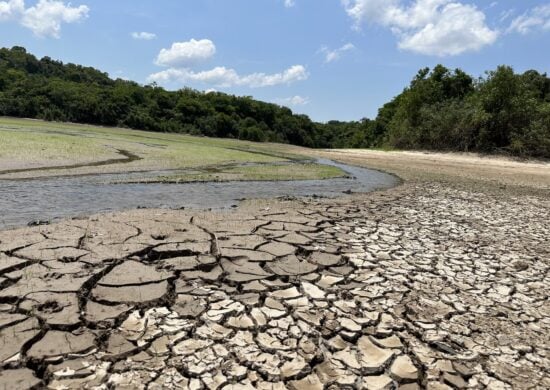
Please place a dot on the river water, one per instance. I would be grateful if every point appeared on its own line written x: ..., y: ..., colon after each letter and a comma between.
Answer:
x: 50, y: 199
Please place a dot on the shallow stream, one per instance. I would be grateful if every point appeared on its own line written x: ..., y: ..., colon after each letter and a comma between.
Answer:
x: 49, y: 199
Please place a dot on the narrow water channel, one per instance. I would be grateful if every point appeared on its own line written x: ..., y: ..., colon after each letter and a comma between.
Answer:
x: 50, y: 199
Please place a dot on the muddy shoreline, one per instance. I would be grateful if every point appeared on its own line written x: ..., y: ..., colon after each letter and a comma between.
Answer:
x: 432, y: 284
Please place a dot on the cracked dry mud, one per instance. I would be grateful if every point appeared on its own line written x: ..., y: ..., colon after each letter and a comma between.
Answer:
x: 420, y: 286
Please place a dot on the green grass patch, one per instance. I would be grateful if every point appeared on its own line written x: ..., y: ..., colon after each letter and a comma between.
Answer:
x: 263, y: 172
x: 38, y: 145
x: 31, y: 143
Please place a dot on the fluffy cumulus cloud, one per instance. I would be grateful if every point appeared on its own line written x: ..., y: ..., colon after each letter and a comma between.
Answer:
x: 293, y: 101
x: 537, y: 18
x: 186, y: 53
x: 334, y: 55
x: 223, y: 77
x: 143, y: 35
x: 45, y: 18
x: 182, y: 57
x: 431, y: 27
x: 11, y: 9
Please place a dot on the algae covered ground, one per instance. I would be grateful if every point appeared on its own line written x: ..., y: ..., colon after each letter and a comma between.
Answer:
x: 31, y: 148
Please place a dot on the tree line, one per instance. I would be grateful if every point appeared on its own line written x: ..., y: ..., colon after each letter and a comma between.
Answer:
x: 50, y: 90
x: 442, y: 109
x: 448, y: 110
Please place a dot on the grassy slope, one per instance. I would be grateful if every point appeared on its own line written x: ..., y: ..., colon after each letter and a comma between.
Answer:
x: 31, y: 143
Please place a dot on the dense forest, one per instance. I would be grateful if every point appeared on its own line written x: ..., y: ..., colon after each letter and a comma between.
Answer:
x: 50, y: 90
x: 504, y: 112
x: 441, y: 109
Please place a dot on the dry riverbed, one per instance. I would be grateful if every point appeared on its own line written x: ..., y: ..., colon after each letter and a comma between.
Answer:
x: 442, y: 282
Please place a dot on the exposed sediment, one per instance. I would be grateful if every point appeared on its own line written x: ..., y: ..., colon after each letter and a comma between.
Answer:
x: 419, y: 286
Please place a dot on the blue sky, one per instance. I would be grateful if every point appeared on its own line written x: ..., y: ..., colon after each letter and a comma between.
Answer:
x: 330, y: 59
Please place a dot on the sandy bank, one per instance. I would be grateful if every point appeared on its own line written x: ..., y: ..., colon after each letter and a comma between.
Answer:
x: 466, y: 167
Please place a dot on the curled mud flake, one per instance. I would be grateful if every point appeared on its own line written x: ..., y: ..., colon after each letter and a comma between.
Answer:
x: 242, y: 321
x: 189, y: 306
x: 403, y: 370
x: 455, y: 381
x: 169, y: 379
x: 333, y: 371
x: 96, y: 312
x: 373, y: 359
x: 213, y: 331
x: 134, y: 273
x: 289, y: 293
x: 131, y: 294
x: 212, y: 274
x: 77, y: 374
x: 118, y: 347
x: 310, y: 382
x: 190, y: 346
x: 389, y: 342
x: 135, y: 379
x: 294, y: 239
x: 249, y: 242
x: 378, y: 382
x: 313, y: 291
x: 324, y: 259
x: 291, y: 266
x: 243, y: 270
x: 180, y: 264
x: 141, y: 361
x: 278, y: 249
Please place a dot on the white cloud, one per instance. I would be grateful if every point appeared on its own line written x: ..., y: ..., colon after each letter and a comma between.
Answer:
x: 334, y: 55
x: 181, y: 56
x: 536, y: 18
x: 293, y: 101
x: 224, y: 78
x: 143, y: 35
x: 289, y: 3
x: 186, y: 53
x: 507, y: 14
x: 432, y: 27
x: 45, y: 18
x: 11, y: 9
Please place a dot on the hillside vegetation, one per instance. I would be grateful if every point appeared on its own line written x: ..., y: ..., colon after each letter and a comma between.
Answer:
x: 441, y: 109
x: 50, y: 90
x: 504, y: 113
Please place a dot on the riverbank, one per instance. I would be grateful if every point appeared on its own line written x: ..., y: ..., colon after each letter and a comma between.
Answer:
x: 487, y: 171
x: 31, y: 149
x: 440, y: 283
